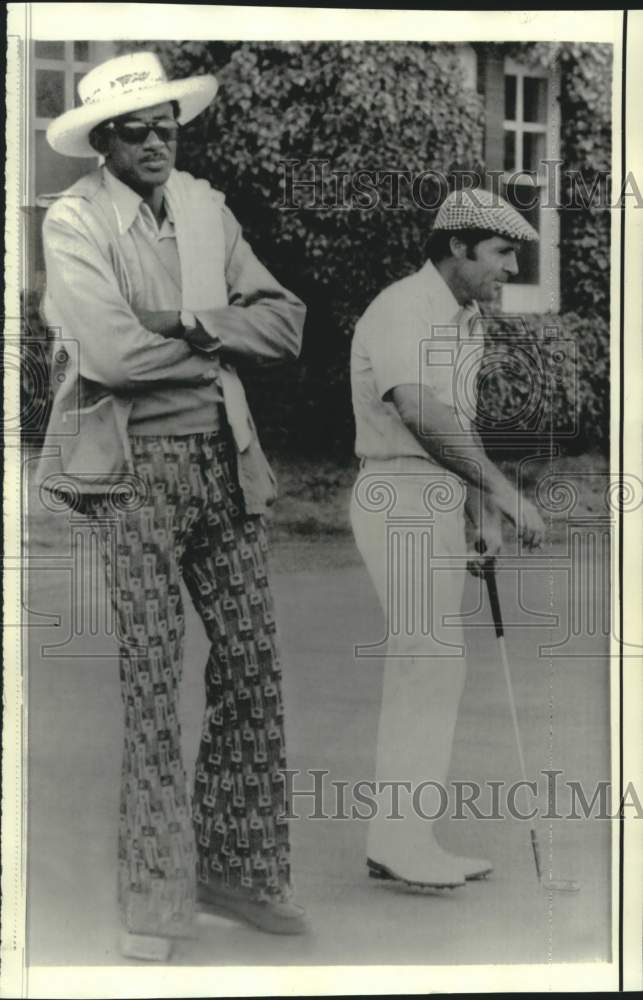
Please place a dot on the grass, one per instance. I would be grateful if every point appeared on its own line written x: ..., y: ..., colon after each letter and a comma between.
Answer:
x: 314, y: 497
x: 310, y: 526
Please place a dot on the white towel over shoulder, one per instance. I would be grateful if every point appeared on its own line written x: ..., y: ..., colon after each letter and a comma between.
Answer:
x: 200, y: 239
x: 197, y: 211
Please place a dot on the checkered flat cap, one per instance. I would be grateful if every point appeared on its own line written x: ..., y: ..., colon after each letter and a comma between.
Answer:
x: 482, y: 209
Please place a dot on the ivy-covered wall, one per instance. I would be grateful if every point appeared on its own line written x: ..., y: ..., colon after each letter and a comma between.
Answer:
x: 586, y: 141
x: 354, y: 108
x: 377, y: 106
x: 586, y: 151
x: 361, y: 110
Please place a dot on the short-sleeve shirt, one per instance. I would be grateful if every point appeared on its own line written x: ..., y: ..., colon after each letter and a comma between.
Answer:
x: 413, y: 333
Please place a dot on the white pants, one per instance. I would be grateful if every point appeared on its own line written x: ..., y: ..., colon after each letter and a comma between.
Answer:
x: 408, y: 521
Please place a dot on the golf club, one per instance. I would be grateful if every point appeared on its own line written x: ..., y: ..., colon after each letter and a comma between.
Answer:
x: 489, y: 574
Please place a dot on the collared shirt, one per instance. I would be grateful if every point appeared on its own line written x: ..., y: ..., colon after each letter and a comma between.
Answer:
x: 164, y: 409
x: 95, y: 285
x: 413, y: 333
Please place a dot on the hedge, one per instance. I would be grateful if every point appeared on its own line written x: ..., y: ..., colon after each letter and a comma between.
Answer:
x: 586, y: 151
x: 541, y: 376
x: 381, y: 106
x: 545, y: 377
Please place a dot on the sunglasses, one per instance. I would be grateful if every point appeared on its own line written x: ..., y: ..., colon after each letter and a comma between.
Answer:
x: 136, y: 132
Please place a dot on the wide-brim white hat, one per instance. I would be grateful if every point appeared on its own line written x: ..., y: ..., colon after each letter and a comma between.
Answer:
x: 127, y: 83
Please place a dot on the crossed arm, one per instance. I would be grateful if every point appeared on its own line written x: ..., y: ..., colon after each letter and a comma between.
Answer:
x: 127, y: 352
x: 262, y: 323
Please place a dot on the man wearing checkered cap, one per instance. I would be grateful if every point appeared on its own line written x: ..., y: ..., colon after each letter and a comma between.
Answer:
x: 414, y: 361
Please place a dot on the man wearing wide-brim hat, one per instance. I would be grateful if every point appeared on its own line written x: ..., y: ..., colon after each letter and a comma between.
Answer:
x: 157, y: 298
x: 415, y: 356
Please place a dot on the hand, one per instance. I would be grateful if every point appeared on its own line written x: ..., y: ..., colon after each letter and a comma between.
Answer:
x: 167, y: 322
x: 530, y: 527
x: 487, y: 530
x: 524, y: 516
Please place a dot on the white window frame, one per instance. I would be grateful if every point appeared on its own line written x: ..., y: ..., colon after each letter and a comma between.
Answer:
x: 469, y: 63
x: 69, y: 66
x: 544, y: 296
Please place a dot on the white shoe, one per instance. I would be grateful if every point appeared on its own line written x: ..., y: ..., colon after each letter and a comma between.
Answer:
x: 474, y: 868
x: 147, y: 947
x: 280, y: 915
x: 444, y: 872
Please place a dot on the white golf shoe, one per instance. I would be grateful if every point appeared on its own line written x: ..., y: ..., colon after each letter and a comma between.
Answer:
x: 436, y: 870
x: 474, y: 868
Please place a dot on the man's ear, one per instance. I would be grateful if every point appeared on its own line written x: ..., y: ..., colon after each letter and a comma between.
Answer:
x: 458, y: 248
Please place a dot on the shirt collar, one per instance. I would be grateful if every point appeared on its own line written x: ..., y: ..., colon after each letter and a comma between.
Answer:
x: 444, y: 303
x: 127, y: 203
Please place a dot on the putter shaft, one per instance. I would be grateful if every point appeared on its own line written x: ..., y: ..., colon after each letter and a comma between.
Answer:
x: 489, y: 573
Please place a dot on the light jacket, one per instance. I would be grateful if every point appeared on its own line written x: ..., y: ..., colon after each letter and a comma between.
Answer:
x: 104, y: 356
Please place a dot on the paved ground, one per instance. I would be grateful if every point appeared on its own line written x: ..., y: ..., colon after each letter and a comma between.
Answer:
x: 332, y: 702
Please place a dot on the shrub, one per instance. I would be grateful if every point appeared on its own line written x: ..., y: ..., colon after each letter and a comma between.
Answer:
x: 358, y: 106
x: 545, y: 376
x: 376, y: 106
x: 368, y: 105
x: 586, y: 151
x: 35, y: 393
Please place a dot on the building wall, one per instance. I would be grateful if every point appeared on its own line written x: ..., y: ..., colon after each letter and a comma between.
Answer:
x: 54, y: 68
x: 521, y: 128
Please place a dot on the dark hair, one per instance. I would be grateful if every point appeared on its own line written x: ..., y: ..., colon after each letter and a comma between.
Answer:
x: 95, y: 137
x: 437, y: 245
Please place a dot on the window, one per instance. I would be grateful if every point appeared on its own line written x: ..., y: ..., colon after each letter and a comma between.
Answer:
x: 530, y: 138
x: 56, y: 68
x: 54, y: 71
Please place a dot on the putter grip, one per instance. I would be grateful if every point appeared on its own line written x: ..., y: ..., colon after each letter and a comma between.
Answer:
x: 536, y: 850
x: 489, y: 573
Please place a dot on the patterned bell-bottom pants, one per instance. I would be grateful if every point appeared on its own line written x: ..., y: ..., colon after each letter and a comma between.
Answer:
x: 191, y: 526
